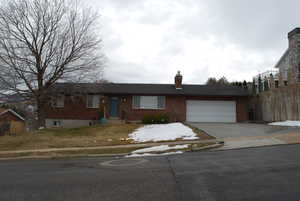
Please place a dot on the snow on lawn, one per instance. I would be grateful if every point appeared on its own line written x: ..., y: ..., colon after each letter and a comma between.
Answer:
x: 163, y: 132
x: 147, y: 154
x: 160, y: 148
x: 286, y: 123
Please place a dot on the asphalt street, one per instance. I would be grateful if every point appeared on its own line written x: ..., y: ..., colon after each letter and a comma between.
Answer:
x: 267, y: 173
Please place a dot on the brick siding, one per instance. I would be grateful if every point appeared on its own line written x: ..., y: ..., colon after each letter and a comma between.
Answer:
x: 75, y: 108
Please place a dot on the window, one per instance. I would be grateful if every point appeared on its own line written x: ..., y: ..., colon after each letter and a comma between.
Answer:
x: 149, y: 102
x: 58, y: 101
x: 92, y: 101
x: 276, y: 83
x: 57, y: 123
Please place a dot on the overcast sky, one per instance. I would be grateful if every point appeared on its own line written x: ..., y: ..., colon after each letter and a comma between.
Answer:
x: 147, y: 41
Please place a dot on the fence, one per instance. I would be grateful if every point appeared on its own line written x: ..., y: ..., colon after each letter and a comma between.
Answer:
x: 277, y: 104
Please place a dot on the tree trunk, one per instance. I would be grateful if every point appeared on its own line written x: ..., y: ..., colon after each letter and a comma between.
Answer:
x: 41, y: 112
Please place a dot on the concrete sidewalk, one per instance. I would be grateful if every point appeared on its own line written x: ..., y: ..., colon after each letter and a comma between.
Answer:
x: 259, y: 141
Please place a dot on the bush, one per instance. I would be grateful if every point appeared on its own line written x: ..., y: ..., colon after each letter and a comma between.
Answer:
x: 155, y: 119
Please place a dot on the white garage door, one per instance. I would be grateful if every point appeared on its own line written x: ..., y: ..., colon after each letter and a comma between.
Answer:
x: 210, y: 111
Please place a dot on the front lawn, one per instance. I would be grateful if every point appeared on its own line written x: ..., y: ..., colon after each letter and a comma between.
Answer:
x: 99, y: 135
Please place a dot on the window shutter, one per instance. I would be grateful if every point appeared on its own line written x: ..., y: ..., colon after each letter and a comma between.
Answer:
x: 161, y: 102
x: 136, y: 103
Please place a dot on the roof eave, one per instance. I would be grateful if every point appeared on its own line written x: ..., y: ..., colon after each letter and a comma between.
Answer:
x: 14, y: 113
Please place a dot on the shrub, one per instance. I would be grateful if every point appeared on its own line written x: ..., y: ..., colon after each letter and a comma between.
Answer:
x: 155, y: 119
x: 101, y: 114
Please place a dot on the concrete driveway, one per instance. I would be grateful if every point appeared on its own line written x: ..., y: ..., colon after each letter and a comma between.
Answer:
x: 224, y: 130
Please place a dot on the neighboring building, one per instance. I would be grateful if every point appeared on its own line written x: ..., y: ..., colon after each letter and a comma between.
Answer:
x: 289, y: 63
x: 81, y: 104
x: 11, y: 122
x: 268, y: 80
x: 12, y: 99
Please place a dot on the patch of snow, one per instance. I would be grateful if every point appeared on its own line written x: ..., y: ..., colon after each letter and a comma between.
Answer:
x: 147, y: 154
x: 286, y: 123
x: 163, y: 132
x: 160, y: 148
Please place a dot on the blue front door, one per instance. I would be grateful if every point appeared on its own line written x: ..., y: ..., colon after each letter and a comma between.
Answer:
x: 114, y: 107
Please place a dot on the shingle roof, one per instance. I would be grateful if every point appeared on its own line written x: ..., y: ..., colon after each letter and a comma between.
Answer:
x: 4, y: 111
x: 149, y: 89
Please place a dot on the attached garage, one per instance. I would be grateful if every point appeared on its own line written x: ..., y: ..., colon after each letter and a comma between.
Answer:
x: 210, y: 111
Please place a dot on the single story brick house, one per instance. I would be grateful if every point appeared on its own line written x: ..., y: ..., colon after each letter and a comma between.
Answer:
x: 79, y: 104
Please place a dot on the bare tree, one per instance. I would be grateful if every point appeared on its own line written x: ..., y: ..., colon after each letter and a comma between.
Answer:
x: 43, y: 42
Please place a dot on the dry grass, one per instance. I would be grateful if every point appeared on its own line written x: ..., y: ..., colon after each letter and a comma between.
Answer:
x: 99, y: 135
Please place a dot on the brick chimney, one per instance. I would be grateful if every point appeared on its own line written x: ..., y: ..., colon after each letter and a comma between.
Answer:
x: 294, y: 56
x: 178, y: 80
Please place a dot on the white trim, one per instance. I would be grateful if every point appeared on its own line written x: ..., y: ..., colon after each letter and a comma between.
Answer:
x: 149, y: 105
x: 13, y: 112
x: 95, y: 101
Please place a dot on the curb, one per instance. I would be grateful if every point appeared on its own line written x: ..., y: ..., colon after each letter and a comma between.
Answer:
x: 62, y: 156
x: 218, y: 145
x: 270, y: 145
x: 141, y: 145
x: 49, y: 156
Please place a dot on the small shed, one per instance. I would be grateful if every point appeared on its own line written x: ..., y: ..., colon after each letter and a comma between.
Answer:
x: 11, y: 122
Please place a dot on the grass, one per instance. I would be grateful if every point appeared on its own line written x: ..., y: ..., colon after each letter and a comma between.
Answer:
x: 99, y: 135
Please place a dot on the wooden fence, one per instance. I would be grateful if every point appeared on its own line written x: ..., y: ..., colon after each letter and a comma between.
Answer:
x: 278, y: 104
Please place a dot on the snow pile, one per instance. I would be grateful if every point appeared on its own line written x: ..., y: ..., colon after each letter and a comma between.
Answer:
x: 148, y: 154
x: 286, y: 123
x: 160, y: 148
x: 163, y: 132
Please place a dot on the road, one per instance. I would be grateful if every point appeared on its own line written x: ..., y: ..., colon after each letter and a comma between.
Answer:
x: 267, y: 173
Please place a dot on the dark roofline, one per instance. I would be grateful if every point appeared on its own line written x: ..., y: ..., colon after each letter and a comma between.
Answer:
x: 294, y: 32
x: 149, y: 89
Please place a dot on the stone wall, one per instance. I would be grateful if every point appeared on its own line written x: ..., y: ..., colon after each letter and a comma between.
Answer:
x: 277, y: 104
